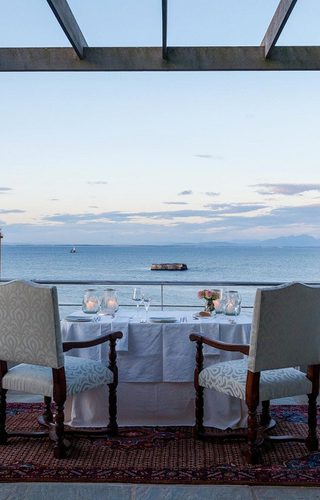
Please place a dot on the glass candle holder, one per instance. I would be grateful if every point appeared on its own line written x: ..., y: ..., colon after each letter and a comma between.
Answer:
x: 91, y: 301
x: 109, y: 302
x: 232, y: 305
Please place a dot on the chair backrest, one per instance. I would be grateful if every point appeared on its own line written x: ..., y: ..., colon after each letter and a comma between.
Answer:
x: 30, y: 324
x: 285, y: 328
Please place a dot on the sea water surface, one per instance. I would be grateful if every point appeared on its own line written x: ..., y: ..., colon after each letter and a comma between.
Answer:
x: 205, y: 263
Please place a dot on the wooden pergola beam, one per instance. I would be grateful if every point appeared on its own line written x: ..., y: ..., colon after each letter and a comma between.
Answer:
x: 276, y: 25
x: 150, y: 59
x: 164, y: 28
x: 68, y: 23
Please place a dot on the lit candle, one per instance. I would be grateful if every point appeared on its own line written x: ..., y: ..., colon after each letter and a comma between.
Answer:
x: 91, y: 304
x: 230, y: 307
x: 111, y: 303
x: 217, y: 303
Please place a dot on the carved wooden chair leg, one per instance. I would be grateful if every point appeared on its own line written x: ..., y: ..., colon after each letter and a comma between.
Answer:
x: 46, y: 418
x: 252, y: 451
x: 113, y: 425
x: 3, y: 407
x: 47, y: 415
x: 199, y: 428
x: 59, y: 445
x: 312, y: 439
x: 265, y: 415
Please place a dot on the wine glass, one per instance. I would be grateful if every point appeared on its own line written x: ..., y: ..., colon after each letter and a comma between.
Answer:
x: 146, y: 303
x: 137, y: 297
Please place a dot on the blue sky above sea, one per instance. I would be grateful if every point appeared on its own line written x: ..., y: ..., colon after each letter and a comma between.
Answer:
x: 127, y: 158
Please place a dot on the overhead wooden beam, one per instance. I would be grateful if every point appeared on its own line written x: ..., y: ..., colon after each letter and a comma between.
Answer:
x: 276, y: 25
x: 68, y: 23
x: 164, y: 28
x: 150, y: 59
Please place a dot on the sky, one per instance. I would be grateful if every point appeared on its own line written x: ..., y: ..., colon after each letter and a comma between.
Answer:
x: 157, y: 158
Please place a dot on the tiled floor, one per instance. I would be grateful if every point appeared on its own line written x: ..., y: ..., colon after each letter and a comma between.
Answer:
x: 84, y: 491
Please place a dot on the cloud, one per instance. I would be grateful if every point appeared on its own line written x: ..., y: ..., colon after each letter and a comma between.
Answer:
x: 12, y: 211
x: 234, y: 208
x: 298, y: 214
x: 185, y: 193
x: 212, y: 211
x: 205, y: 156
x: 285, y: 217
x: 119, y: 216
x: 4, y: 190
x: 211, y: 193
x: 285, y: 189
x: 174, y: 214
x: 54, y: 199
x: 224, y: 222
x: 97, y: 182
x: 175, y: 203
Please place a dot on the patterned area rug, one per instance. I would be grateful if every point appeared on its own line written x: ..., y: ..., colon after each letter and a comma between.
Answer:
x: 158, y: 455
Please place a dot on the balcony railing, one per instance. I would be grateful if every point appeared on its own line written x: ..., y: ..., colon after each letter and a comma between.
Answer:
x: 162, y: 291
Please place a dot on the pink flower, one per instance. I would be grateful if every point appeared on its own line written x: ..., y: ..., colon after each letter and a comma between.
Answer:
x: 209, y: 295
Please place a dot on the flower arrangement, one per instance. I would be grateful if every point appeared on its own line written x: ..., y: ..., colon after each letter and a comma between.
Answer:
x: 210, y: 296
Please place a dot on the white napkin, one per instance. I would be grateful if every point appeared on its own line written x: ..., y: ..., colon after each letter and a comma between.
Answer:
x: 178, y: 354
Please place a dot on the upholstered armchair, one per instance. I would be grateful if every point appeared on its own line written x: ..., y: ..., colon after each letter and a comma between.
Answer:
x: 30, y: 339
x: 285, y: 334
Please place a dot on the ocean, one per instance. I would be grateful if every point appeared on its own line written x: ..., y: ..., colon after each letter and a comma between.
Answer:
x: 129, y: 263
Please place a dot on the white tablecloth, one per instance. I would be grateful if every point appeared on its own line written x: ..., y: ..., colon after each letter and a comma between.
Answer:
x: 156, y: 363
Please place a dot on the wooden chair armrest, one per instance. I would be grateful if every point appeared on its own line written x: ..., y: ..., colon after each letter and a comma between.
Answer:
x: 92, y: 342
x: 224, y: 346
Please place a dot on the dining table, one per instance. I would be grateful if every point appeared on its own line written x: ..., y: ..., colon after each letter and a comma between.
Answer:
x: 156, y: 362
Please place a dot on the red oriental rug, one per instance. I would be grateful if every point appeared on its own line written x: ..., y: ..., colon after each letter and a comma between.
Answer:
x: 158, y: 455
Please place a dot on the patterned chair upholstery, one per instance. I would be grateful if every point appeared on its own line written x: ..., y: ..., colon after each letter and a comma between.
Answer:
x: 30, y: 338
x: 285, y: 334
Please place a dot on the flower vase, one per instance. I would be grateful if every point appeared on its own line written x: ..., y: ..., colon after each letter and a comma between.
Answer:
x: 209, y: 307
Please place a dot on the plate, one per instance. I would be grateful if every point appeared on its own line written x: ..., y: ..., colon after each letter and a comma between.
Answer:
x: 199, y: 316
x: 79, y: 319
x: 168, y: 319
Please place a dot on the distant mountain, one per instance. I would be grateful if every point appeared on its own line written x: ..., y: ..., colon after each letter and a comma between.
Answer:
x: 303, y: 240
x: 215, y: 244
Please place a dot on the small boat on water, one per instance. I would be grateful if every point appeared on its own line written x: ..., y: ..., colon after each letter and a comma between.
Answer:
x: 175, y: 266
x: 73, y: 250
